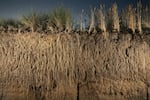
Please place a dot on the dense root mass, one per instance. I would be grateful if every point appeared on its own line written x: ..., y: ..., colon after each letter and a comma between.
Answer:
x: 74, y: 67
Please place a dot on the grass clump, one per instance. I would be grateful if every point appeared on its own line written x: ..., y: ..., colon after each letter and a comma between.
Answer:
x: 60, y: 20
x: 31, y: 21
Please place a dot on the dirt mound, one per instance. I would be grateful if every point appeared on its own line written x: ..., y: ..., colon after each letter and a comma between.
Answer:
x: 74, y: 67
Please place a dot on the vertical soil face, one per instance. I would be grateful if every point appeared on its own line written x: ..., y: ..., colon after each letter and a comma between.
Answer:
x: 74, y: 67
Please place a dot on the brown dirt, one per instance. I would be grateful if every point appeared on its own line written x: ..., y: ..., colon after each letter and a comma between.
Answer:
x: 74, y: 67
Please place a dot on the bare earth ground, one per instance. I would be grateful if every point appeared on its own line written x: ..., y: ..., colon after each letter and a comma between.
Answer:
x: 74, y: 67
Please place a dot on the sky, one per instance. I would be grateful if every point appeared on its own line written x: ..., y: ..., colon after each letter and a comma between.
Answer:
x: 16, y: 8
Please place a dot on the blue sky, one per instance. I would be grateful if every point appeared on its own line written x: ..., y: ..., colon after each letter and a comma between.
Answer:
x: 15, y: 8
